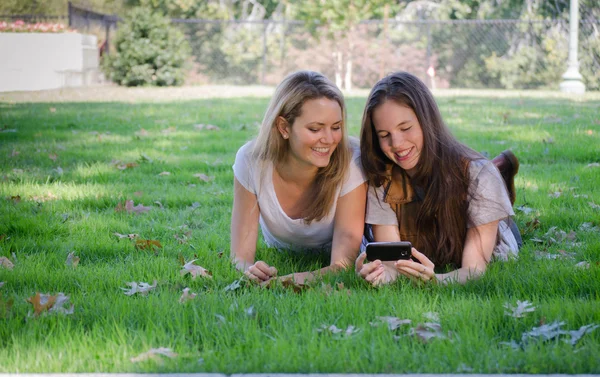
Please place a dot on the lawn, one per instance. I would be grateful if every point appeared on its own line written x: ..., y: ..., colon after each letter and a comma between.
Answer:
x: 68, y: 168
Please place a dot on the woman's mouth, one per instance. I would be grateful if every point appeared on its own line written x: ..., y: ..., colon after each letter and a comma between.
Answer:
x: 402, y: 155
x: 321, y: 151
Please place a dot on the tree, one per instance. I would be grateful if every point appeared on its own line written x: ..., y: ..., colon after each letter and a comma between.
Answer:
x: 336, y: 20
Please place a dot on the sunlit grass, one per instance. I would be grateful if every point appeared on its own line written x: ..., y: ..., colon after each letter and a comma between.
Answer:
x: 73, y: 209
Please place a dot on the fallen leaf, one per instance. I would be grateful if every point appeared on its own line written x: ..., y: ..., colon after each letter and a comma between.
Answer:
x: 15, y: 153
x: 147, y: 244
x: 525, y: 210
x: 208, y: 127
x: 237, y: 284
x: 144, y: 158
x: 129, y: 165
x: 204, y: 177
x: 4, y: 129
x: 181, y: 259
x: 142, y: 133
x: 58, y: 170
x: 432, y: 316
x: 195, y: 270
x: 555, y: 194
x: 533, y: 224
x: 16, y: 198
x: 519, y: 310
x: 6, y: 263
x: 427, y: 331
x: 194, y: 205
x: 141, y: 288
x: 333, y: 329
x: 153, y: 354
x: 584, y: 265
x: 53, y: 156
x: 589, y: 227
x: 72, y: 260
x: 52, y: 304
x: 593, y: 165
x: 127, y: 206
x: 187, y: 296
x: 131, y: 236
x: 393, y: 322
x: 164, y: 173
x: 286, y: 282
x: 52, y: 109
x: 250, y: 312
x: 577, y: 334
x: 167, y: 131
x: 138, y: 193
x: 594, y: 205
x: 544, y: 332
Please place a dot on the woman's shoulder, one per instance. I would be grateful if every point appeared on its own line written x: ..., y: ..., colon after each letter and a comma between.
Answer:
x: 482, y: 168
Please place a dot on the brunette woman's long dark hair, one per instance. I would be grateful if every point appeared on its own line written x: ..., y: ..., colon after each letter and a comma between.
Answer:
x: 442, y: 170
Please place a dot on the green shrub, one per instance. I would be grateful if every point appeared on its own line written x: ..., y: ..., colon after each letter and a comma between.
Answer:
x: 149, y: 51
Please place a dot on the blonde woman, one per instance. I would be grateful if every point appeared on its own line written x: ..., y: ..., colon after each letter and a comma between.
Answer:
x: 300, y: 179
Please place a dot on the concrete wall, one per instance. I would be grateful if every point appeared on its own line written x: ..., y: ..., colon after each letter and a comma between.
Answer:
x: 38, y: 61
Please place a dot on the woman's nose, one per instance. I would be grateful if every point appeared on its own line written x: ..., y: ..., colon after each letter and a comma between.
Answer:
x: 327, y: 136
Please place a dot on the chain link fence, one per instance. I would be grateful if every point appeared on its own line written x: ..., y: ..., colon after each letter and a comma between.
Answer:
x: 511, y: 54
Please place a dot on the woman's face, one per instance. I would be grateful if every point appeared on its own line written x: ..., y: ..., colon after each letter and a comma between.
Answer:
x: 315, y: 133
x: 399, y: 133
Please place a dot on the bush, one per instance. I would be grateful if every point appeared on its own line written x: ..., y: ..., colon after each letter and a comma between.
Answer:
x: 149, y: 51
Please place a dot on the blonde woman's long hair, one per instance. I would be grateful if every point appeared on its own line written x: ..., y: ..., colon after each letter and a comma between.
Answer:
x: 269, y: 145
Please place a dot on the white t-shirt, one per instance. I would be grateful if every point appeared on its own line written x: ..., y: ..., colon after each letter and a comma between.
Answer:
x: 278, y: 229
x: 489, y: 203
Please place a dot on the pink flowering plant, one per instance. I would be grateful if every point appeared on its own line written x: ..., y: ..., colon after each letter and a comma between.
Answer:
x: 21, y: 26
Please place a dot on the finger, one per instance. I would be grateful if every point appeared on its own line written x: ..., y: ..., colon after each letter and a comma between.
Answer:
x: 265, y: 268
x: 415, y: 274
x: 370, y: 268
x: 256, y: 271
x: 422, y: 258
x: 358, y: 264
x: 252, y: 277
x: 375, y: 275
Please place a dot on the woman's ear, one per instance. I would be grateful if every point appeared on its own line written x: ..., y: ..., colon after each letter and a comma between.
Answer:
x: 283, y: 127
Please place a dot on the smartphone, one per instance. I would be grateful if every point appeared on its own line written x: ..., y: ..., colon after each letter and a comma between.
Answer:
x: 389, y: 251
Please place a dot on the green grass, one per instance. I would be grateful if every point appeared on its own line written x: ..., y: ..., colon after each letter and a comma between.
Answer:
x: 554, y: 138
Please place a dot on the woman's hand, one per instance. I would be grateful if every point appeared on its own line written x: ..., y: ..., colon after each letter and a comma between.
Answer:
x: 376, y: 272
x: 260, y: 271
x: 424, y: 271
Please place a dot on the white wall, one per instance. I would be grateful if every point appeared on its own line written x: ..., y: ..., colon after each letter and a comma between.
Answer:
x: 38, y: 61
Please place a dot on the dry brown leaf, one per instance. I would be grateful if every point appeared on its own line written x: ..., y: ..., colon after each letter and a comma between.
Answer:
x: 72, y: 260
x: 164, y: 173
x: 128, y: 206
x: 138, y: 193
x: 593, y: 165
x: 208, y: 127
x: 131, y: 236
x: 53, y: 156
x: 52, y: 304
x: 6, y: 263
x: 129, y: 165
x: 392, y: 322
x: 142, y: 133
x: 519, y: 310
x: 204, y: 177
x: 334, y: 330
x: 153, y: 354
x: 52, y: 109
x: 147, y: 244
x: 427, y: 331
x: 15, y: 153
x: 181, y: 259
x: 16, y: 198
x: 195, y: 270
x: 187, y: 296
x: 286, y: 282
x: 141, y: 288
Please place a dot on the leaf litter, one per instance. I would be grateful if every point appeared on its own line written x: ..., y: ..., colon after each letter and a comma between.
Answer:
x: 154, y: 354
x: 46, y: 303
x: 195, y: 270
x: 72, y: 260
x: 187, y: 296
x: 141, y: 288
x: 128, y: 207
x: 519, y: 310
x: 6, y: 263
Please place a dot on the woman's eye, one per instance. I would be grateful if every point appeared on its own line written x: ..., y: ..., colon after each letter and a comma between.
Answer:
x: 313, y: 130
x: 407, y: 128
x: 336, y: 128
x: 383, y: 136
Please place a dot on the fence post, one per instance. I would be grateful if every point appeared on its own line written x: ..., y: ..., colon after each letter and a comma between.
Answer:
x: 572, y: 78
x: 70, y: 14
x: 264, y: 54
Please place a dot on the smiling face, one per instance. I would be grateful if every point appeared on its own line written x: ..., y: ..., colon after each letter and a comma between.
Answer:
x: 399, y: 133
x: 315, y: 133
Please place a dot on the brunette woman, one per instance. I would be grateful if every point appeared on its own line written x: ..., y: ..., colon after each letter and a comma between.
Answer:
x: 426, y: 187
